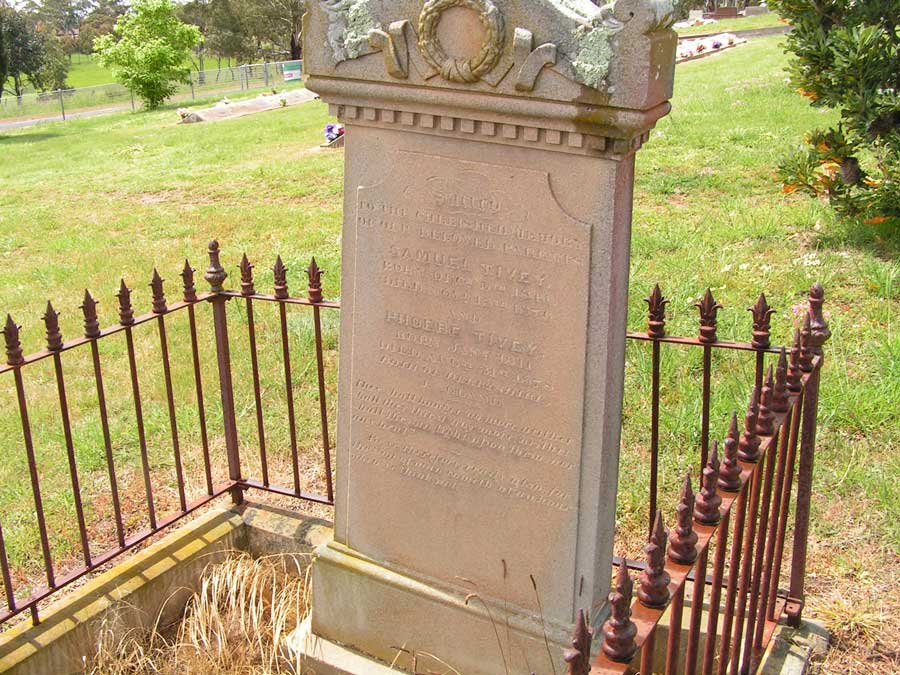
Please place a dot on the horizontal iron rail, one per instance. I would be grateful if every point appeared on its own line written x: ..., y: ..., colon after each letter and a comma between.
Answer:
x: 696, y: 342
x: 285, y: 492
x: 327, y: 304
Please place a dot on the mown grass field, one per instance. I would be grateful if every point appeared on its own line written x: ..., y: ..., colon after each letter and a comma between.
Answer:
x: 769, y: 20
x: 85, y: 203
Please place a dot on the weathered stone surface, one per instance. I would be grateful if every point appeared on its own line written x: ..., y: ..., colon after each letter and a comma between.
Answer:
x: 487, y: 211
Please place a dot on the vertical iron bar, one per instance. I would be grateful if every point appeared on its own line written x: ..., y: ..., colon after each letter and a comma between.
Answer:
x: 673, y: 646
x: 201, y: 406
x: 216, y: 276
x: 35, y: 482
x: 715, y: 596
x: 139, y: 418
x: 70, y: 454
x: 257, y: 394
x: 797, y: 415
x: 760, y: 368
x: 758, y: 554
x: 734, y: 567
x: 693, y: 648
x: 170, y: 402
x: 323, y: 406
x: 654, y: 434
x: 289, y: 392
x: 704, y: 430
x: 7, y: 577
x: 773, y: 534
x: 647, y: 650
x: 804, y: 491
x: 747, y: 566
x: 107, y: 444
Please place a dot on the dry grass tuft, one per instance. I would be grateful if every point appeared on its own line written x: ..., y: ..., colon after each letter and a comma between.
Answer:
x: 235, y: 624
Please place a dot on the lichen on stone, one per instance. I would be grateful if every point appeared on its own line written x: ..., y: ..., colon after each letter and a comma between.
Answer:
x: 595, y: 53
x: 349, y: 23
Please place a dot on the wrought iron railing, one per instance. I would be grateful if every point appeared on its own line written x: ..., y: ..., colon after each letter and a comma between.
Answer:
x: 727, y: 545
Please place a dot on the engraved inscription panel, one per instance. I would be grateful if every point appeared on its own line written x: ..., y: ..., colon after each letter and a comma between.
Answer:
x: 468, y: 360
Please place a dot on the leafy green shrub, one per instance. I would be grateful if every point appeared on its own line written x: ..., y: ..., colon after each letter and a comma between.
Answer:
x: 149, y: 50
x: 847, y: 57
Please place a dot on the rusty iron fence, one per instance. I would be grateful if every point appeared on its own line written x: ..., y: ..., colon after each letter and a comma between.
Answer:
x: 736, y: 525
x: 237, y: 482
x: 727, y: 547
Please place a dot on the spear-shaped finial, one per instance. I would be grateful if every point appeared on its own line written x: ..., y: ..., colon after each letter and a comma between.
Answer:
x: 215, y: 274
x: 656, y: 311
x: 314, y: 292
x: 780, y: 401
x: 579, y: 656
x: 762, y: 315
x: 126, y: 312
x: 683, y: 539
x: 653, y: 583
x: 709, y: 309
x: 159, y: 296
x: 749, y: 445
x: 619, y: 630
x: 91, y: 321
x: 730, y: 470
x: 765, y: 420
x: 247, y: 287
x: 187, y: 277
x: 54, y: 335
x: 820, y: 332
x: 281, y: 285
x: 14, y: 355
x: 706, y: 508
x: 806, y: 345
x: 795, y: 372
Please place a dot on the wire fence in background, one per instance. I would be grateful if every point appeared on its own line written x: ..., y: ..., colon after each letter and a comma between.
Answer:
x: 65, y: 103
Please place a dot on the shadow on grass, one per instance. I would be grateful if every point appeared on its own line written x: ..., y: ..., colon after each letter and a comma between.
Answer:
x: 881, y: 240
x: 26, y: 138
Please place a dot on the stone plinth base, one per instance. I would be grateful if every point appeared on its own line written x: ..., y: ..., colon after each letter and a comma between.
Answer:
x: 413, y: 623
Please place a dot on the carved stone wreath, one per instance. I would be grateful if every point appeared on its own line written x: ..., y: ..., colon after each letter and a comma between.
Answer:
x: 462, y: 69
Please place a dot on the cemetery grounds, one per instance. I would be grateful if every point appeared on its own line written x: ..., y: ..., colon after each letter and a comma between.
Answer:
x: 85, y: 203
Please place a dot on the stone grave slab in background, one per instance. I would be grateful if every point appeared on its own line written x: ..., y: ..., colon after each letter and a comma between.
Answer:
x: 488, y: 191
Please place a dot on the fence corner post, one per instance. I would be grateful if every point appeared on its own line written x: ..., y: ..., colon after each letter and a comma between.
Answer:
x: 215, y: 276
x: 815, y: 334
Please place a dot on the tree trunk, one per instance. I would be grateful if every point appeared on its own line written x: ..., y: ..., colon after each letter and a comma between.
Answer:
x: 296, y: 48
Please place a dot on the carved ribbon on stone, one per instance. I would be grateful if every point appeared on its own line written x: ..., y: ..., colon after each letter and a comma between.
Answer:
x: 531, y: 61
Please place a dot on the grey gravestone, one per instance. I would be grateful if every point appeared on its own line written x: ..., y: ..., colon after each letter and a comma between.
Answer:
x: 490, y: 150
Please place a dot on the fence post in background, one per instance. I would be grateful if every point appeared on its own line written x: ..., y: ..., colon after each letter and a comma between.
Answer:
x: 813, y: 336
x: 62, y: 106
x: 215, y: 276
x: 132, y: 101
x: 191, y: 78
x: 266, y: 73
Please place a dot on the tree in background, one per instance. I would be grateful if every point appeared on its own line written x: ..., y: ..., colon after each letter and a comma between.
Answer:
x: 100, y: 20
x: 28, y: 56
x: 847, y: 57
x: 149, y: 49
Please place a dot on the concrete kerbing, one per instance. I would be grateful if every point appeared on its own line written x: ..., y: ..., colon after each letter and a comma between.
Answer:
x: 793, y: 649
x: 151, y: 587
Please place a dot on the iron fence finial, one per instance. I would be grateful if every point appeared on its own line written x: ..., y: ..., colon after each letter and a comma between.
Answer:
x: 126, y: 311
x: 780, y: 401
x: 819, y: 330
x: 11, y: 330
x: 765, y: 420
x: 762, y: 315
x: 215, y: 273
x: 709, y: 310
x: 806, y: 345
x: 656, y: 311
x: 795, y: 372
x: 683, y: 539
x: 314, y: 292
x: 653, y: 583
x: 281, y: 285
x: 748, y: 450
x: 159, y: 296
x: 730, y: 469
x: 91, y: 320
x: 619, y: 630
x: 187, y: 276
x: 706, y: 507
x: 246, y: 268
x: 579, y: 655
x: 54, y: 335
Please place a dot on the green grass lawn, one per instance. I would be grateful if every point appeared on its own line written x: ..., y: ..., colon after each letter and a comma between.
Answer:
x: 87, y: 72
x: 87, y: 202
x: 744, y: 23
